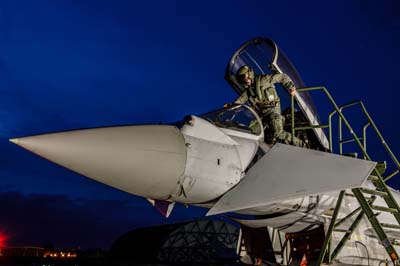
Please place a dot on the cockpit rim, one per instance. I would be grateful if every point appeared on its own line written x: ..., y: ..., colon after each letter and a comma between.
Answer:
x: 239, y: 132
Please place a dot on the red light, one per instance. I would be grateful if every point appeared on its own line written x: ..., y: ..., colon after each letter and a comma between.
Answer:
x: 3, y: 239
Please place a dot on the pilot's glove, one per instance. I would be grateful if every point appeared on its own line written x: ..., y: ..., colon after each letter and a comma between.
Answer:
x: 226, y: 105
x: 292, y: 91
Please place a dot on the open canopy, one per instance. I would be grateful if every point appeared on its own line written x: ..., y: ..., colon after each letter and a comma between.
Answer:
x: 264, y: 56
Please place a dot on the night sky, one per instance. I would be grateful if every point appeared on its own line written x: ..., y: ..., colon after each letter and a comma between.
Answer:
x: 77, y: 64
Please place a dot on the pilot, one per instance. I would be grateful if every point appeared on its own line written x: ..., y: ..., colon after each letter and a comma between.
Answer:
x: 261, y: 93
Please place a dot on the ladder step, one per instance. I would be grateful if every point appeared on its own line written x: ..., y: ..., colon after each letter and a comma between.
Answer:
x: 384, y: 209
x: 351, y: 154
x: 374, y: 192
x: 366, y: 198
x: 312, y: 127
x: 391, y: 175
x: 395, y: 226
x: 349, y: 140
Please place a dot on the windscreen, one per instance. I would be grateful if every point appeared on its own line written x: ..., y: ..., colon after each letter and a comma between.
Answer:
x: 264, y: 56
x: 238, y: 118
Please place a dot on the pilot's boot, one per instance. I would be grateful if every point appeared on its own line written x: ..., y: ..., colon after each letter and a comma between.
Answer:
x: 299, y: 143
x: 282, y: 136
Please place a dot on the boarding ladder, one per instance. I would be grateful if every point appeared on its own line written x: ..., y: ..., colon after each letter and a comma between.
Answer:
x: 365, y: 197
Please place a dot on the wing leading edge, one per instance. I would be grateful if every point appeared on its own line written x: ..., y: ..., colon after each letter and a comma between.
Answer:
x: 288, y: 172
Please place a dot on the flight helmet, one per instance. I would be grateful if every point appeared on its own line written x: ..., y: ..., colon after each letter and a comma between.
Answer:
x: 242, y: 71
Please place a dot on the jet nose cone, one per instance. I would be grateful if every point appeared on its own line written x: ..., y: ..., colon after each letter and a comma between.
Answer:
x: 142, y: 160
x: 15, y: 141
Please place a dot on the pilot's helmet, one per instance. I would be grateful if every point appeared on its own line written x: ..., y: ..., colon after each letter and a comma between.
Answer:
x: 242, y: 71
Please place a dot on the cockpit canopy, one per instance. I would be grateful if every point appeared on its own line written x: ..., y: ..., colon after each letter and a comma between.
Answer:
x: 264, y: 57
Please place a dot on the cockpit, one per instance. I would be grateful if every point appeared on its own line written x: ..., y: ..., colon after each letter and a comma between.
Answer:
x: 265, y: 57
x: 239, y: 118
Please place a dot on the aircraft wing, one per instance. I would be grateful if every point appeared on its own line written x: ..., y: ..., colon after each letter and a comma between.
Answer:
x: 287, y: 172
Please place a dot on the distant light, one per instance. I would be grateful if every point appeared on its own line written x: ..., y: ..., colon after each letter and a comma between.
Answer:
x: 3, y: 239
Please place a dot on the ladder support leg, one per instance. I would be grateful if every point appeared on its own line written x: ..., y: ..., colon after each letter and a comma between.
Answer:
x: 330, y: 229
x: 376, y: 225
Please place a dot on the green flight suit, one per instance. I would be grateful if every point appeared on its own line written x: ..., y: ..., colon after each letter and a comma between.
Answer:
x: 264, y: 99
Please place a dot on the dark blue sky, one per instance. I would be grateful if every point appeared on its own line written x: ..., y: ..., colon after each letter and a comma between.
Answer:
x: 77, y: 64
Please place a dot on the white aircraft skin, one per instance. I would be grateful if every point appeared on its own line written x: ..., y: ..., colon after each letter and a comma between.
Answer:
x: 200, y: 164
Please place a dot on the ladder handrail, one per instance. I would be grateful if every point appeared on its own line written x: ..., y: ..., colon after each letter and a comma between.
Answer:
x: 378, y: 181
x: 377, y: 131
x: 336, y: 110
x: 339, y: 110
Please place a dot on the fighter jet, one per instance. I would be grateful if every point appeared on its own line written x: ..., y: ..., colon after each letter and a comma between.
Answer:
x: 311, y: 204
